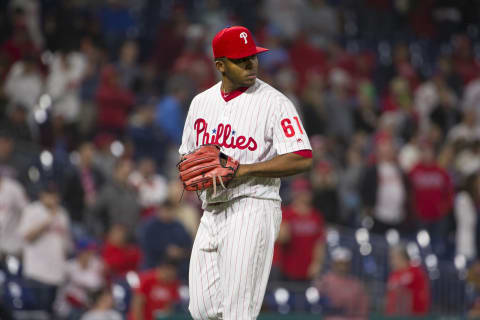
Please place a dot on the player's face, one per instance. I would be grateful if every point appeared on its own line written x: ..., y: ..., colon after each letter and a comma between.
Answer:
x: 241, y: 72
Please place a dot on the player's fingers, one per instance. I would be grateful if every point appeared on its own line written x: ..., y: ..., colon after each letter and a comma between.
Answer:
x: 214, y: 186
x: 221, y: 182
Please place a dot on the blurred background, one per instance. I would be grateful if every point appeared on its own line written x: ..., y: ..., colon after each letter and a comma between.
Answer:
x: 93, y: 99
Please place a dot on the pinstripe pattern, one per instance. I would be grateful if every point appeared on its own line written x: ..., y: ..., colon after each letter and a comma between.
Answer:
x: 257, y: 113
x: 233, y: 250
x: 235, y: 240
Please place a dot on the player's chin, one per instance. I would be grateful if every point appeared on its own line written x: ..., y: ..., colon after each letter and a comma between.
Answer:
x: 250, y: 80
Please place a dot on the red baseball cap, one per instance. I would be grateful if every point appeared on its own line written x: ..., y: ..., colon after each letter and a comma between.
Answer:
x: 235, y: 43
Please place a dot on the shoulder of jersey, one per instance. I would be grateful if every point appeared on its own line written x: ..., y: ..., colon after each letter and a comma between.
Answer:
x: 275, y: 95
x: 209, y: 92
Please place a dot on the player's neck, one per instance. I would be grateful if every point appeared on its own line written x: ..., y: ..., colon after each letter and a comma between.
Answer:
x: 228, y: 86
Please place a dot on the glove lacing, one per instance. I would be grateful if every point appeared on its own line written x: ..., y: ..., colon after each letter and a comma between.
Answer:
x: 215, y: 185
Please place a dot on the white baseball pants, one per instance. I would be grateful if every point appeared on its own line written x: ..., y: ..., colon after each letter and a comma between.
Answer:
x: 232, y: 257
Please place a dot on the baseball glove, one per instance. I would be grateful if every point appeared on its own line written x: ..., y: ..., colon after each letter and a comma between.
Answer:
x: 200, y: 169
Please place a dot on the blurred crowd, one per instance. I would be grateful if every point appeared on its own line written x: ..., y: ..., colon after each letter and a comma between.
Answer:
x: 92, y: 106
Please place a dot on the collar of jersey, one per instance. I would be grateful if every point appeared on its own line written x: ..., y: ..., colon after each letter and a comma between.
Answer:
x: 235, y: 93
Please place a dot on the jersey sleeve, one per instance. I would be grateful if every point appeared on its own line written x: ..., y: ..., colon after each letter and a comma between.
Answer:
x: 188, y: 138
x: 288, y: 132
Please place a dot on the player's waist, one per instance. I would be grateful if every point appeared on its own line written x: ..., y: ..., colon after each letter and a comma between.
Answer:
x: 239, y: 201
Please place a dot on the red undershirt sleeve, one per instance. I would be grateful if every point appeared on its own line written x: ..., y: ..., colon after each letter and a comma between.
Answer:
x: 304, y: 153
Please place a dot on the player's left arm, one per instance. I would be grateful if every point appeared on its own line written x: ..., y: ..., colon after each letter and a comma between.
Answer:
x: 280, y: 166
x: 286, y: 131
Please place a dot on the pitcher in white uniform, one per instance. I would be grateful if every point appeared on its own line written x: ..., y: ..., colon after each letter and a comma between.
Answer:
x: 257, y: 125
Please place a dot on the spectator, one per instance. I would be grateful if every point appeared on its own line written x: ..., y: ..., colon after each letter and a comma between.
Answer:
x: 339, y: 107
x: 466, y: 212
x: 284, y: 16
x: 302, y: 235
x: 157, y: 293
x: 471, y: 97
x: 313, y: 105
x: 193, y: 62
x: 17, y: 123
x: 278, y: 54
x: 349, y: 186
x: 24, y: 83
x: 118, y: 254
x: 432, y: 197
x: 170, y: 39
x: 103, y: 307
x: 345, y: 296
x: 116, y: 20
x: 473, y: 281
x: 463, y: 59
x: 285, y: 79
x: 114, y: 102
x: 324, y: 178
x: 321, y: 22
x: 384, y: 189
x: 434, y: 100
x: 398, y: 99
x: 84, y: 276
x: 67, y: 70
x: 12, y: 203
x: 147, y: 138
x: 408, y: 291
x: 467, y: 130
x: 466, y: 160
x: 103, y: 158
x: 117, y: 200
x: 162, y: 237
x: 94, y: 56
x: 409, y: 154
x: 365, y: 114
x: 45, y: 230
x: 170, y: 112
x: 126, y: 66
x: 185, y: 212
x: 82, y: 184
x: 151, y: 187
x: 13, y: 163
x: 19, y: 44
x: 445, y: 113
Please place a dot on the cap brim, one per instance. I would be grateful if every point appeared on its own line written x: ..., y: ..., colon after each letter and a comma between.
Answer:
x: 260, y: 50
x: 240, y: 56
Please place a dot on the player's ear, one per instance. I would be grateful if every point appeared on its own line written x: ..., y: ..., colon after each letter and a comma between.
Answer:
x: 220, y: 64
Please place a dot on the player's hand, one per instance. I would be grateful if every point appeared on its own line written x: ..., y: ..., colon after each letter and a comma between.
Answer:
x: 205, y: 167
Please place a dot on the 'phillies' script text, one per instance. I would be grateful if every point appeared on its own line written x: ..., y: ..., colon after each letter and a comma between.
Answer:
x: 222, y: 136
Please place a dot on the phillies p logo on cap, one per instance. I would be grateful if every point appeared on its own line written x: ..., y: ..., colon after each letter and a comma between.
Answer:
x: 235, y: 43
x: 244, y: 36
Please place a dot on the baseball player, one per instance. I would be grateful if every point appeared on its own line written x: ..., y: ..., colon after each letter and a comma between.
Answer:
x: 259, y: 130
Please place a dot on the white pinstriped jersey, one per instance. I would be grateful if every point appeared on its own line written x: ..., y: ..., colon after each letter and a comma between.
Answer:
x: 255, y: 126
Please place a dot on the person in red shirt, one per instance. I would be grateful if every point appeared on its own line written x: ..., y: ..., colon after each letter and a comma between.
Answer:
x: 345, y: 295
x: 113, y: 101
x: 119, y: 256
x: 157, y: 292
x: 432, y: 195
x: 408, y: 289
x: 302, y: 235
